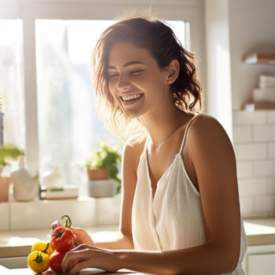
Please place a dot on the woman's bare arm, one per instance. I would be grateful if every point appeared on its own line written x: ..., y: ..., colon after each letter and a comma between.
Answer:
x: 214, y: 161
x: 121, y: 242
x: 130, y: 160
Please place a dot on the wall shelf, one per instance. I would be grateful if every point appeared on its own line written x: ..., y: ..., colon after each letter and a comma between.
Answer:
x: 256, y: 106
x: 259, y: 58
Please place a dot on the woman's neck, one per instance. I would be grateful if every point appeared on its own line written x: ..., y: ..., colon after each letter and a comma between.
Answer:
x: 163, y: 122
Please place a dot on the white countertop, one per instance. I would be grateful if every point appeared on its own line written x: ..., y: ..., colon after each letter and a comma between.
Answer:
x: 259, y: 231
x: 19, y: 243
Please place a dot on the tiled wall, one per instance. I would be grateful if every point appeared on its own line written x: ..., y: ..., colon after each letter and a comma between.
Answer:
x: 87, y: 212
x: 254, y: 145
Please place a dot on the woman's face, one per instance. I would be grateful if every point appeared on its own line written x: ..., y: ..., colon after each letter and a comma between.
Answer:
x: 133, y: 72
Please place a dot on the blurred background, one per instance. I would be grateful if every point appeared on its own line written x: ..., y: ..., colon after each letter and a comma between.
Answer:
x: 49, y: 103
x: 49, y: 108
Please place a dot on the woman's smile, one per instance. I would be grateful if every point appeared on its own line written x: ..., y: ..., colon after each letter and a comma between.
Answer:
x: 128, y: 100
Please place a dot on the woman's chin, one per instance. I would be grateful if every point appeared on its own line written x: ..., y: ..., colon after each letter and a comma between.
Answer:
x: 131, y: 115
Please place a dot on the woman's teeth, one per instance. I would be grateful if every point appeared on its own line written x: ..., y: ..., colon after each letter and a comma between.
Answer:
x: 126, y: 98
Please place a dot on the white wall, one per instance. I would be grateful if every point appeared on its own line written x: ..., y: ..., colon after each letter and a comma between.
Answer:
x: 235, y: 28
x: 254, y: 145
x: 218, y: 91
x: 252, y: 29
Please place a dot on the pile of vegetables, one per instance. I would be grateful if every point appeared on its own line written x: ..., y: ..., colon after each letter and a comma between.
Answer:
x: 50, y: 255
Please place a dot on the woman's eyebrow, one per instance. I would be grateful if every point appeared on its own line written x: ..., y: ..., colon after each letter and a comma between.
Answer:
x: 127, y: 64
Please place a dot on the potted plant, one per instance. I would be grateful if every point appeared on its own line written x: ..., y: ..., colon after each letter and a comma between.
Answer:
x: 7, y: 152
x: 102, y: 166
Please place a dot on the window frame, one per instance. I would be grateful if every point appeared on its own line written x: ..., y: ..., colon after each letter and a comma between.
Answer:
x: 29, y: 11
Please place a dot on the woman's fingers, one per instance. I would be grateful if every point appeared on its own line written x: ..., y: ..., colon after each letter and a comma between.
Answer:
x: 72, y: 255
x: 82, y: 236
x: 77, y: 231
x: 55, y: 225
x: 81, y: 247
x: 80, y: 266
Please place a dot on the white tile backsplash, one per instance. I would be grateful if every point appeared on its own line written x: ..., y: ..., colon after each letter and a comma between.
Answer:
x: 264, y: 168
x: 252, y: 187
x: 271, y: 150
x: 264, y: 133
x: 244, y: 169
x: 254, y: 146
x: 242, y: 134
x: 271, y: 186
x: 271, y: 117
x: 249, y: 118
x: 41, y: 214
x: 108, y: 210
x: 264, y: 204
x: 247, y: 206
x: 251, y: 151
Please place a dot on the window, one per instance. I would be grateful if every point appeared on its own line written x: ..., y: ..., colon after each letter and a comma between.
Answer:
x: 68, y: 124
x: 11, y: 81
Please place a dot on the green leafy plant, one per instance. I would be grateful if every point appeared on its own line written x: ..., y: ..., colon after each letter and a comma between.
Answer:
x: 106, y: 158
x: 9, y: 152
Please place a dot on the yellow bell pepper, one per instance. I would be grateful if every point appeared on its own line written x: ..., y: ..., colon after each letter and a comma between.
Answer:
x: 43, y: 247
x: 38, y: 261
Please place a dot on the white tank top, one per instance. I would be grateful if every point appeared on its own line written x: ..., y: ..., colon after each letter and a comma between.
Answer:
x: 173, y: 219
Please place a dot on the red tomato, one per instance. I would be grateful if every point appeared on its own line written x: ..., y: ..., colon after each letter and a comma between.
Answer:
x: 62, y: 239
x: 55, y: 262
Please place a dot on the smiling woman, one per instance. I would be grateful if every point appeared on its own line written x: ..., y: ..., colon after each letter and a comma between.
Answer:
x: 142, y: 54
x: 180, y: 210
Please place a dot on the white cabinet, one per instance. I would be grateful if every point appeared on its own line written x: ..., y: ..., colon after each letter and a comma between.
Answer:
x: 261, y: 264
x: 259, y: 259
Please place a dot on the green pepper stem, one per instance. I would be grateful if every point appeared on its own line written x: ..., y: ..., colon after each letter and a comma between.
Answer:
x: 45, y: 250
x: 59, y: 234
x: 68, y: 223
x: 39, y: 258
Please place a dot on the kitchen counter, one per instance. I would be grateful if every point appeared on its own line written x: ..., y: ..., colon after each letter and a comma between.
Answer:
x: 19, y: 243
x: 259, y: 231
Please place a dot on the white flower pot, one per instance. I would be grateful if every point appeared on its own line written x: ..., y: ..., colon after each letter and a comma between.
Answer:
x: 102, y: 188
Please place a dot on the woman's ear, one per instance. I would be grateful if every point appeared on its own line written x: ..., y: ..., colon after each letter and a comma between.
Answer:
x: 174, y: 70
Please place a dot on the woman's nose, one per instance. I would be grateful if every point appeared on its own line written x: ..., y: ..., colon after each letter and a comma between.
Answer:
x: 123, y: 83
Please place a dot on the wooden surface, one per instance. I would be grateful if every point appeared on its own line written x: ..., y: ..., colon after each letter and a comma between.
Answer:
x: 255, y: 58
x: 255, y: 106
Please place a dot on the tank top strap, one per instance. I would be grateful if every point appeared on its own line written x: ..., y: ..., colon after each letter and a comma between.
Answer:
x: 182, y: 143
x: 146, y: 143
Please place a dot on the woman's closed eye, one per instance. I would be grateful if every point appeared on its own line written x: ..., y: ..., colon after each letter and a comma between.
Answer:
x: 133, y: 73
x: 136, y: 72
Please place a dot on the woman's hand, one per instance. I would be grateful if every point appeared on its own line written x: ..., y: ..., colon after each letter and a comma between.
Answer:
x: 81, y: 236
x: 91, y: 256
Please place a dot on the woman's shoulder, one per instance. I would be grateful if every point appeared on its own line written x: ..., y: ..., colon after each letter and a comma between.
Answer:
x: 205, y: 130
x: 133, y: 150
x: 203, y: 122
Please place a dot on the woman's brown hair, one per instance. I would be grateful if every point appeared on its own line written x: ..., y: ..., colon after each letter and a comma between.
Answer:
x: 145, y: 31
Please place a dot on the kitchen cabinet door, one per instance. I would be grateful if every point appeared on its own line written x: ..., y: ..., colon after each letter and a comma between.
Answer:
x: 261, y: 264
